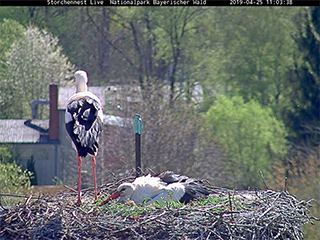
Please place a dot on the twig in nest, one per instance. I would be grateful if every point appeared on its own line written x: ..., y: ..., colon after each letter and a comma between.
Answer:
x: 263, y: 179
x: 70, y: 188
x: 13, y: 195
x: 28, y: 200
x: 285, y: 183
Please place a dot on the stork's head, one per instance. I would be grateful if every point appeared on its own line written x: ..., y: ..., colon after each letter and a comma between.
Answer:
x: 124, y: 191
x: 81, y: 80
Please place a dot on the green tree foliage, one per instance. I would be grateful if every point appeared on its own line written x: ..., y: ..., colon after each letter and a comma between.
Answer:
x: 13, y: 179
x: 147, y: 44
x: 33, y: 62
x: 250, y: 53
x: 176, y: 35
x: 153, y: 43
x: 5, y: 154
x: 304, y: 80
x: 10, y: 31
x: 239, y: 51
x: 250, y: 136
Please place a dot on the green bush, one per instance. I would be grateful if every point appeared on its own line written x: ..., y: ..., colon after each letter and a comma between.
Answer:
x: 249, y: 135
x: 13, y: 179
x: 5, y: 154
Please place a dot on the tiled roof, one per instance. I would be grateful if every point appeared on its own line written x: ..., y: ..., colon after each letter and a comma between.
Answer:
x: 17, y: 131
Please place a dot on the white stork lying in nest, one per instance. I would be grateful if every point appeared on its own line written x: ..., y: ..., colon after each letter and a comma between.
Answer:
x: 163, y: 187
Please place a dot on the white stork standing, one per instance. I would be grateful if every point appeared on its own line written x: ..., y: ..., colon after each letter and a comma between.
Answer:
x: 166, y: 186
x: 84, y: 118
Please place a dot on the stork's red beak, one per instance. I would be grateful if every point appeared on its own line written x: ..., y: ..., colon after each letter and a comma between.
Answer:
x: 113, y: 196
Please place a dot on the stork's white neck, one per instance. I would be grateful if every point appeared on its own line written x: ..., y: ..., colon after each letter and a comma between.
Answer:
x: 81, y: 85
x: 81, y: 81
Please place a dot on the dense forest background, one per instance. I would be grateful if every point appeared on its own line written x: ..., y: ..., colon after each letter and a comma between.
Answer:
x: 257, y: 121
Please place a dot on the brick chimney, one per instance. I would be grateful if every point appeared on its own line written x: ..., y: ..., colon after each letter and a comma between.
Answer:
x: 54, y: 114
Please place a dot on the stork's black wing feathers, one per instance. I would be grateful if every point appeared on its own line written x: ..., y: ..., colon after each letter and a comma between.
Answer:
x: 170, y: 177
x: 85, y: 127
x: 193, y: 187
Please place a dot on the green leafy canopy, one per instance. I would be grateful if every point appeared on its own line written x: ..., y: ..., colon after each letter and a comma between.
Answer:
x: 250, y: 136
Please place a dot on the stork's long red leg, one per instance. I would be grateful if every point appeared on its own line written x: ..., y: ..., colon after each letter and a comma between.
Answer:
x: 79, y: 180
x: 94, y: 177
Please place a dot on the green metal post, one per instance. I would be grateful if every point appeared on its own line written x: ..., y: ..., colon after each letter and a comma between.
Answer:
x: 137, y: 124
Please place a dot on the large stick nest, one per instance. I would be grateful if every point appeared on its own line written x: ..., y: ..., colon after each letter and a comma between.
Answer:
x: 229, y: 214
